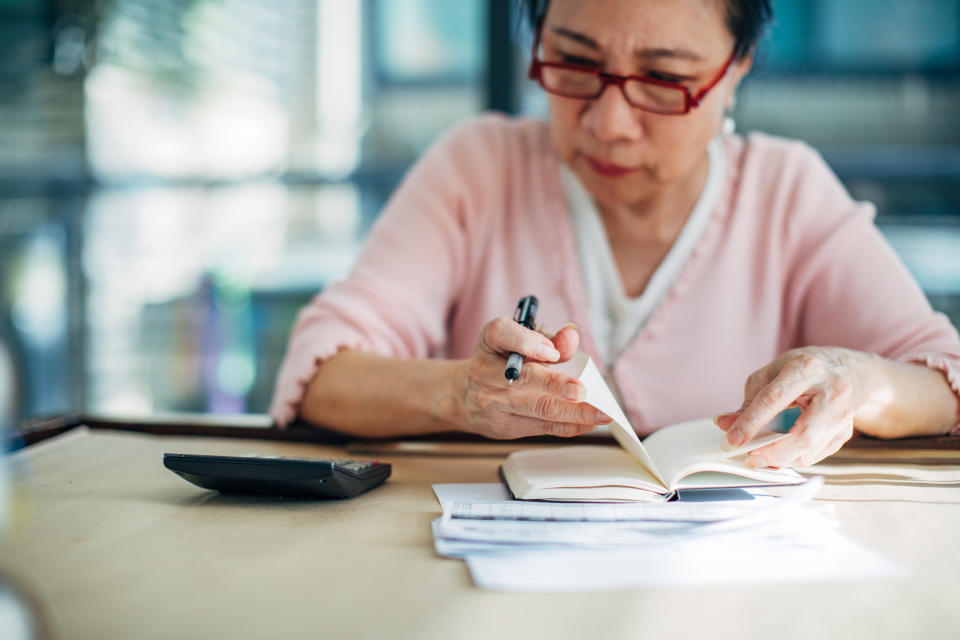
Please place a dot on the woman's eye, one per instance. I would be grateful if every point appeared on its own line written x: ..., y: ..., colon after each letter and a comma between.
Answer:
x: 666, y: 77
x: 577, y: 60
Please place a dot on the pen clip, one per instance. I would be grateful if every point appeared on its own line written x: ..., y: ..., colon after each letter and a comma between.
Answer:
x: 526, y: 311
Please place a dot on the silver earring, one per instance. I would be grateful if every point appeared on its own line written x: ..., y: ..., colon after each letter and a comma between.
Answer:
x: 729, y: 126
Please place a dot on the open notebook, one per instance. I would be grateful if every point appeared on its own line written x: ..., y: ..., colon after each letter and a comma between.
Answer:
x: 690, y: 455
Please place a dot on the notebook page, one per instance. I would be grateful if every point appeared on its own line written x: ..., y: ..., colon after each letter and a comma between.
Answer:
x: 696, y: 444
x: 600, y: 396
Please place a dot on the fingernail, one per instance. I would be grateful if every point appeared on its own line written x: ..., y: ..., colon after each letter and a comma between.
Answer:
x: 735, y: 437
x: 603, y: 418
x: 569, y: 325
x: 548, y: 353
x: 573, y: 391
x: 756, y: 461
x: 722, y: 416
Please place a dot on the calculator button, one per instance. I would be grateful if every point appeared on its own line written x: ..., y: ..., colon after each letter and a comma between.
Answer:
x: 356, y: 467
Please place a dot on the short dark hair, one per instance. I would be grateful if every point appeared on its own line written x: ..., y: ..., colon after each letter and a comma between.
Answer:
x: 746, y: 19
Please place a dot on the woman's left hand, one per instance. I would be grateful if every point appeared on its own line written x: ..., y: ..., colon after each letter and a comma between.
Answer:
x: 822, y: 382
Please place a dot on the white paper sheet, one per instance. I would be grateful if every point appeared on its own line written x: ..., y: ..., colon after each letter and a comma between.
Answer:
x: 540, y: 546
x: 610, y: 535
x: 537, y: 525
x: 470, y: 492
x: 486, y: 502
x: 603, y: 512
x: 702, y: 561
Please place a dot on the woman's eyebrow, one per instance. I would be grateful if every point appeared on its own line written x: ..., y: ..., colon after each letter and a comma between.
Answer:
x: 586, y: 41
x: 646, y: 54
x: 659, y: 52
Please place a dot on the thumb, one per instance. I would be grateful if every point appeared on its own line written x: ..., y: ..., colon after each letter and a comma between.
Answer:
x: 566, y: 341
x: 756, y: 381
x: 726, y: 420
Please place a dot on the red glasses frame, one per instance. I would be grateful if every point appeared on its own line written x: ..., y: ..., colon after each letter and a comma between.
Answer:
x: 690, y: 100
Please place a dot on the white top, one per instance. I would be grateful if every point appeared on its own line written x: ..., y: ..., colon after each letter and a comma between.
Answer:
x: 616, y: 318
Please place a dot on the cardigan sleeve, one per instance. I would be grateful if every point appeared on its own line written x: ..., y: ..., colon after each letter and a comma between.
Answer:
x: 847, y: 287
x: 398, y: 296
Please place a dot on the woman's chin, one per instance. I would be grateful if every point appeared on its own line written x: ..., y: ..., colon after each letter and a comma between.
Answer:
x: 617, y: 192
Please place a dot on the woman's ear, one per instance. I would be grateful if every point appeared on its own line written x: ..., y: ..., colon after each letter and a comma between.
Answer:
x: 738, y: 70
x: 741, y: 68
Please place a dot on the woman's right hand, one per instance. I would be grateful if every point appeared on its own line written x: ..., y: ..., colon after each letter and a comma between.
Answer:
x: 541, y: 401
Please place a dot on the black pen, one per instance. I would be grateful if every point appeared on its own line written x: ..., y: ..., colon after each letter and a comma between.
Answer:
x: 526, y: 315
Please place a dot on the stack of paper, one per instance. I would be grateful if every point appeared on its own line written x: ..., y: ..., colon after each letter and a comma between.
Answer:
x: 544, y: 546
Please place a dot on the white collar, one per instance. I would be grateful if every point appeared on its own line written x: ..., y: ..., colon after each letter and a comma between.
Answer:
x: 615, y: 317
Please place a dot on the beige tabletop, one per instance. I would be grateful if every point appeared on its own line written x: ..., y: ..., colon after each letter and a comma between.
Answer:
x: 115, y: 546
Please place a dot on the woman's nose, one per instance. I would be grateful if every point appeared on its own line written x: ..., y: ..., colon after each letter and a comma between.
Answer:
x: 610, y: 117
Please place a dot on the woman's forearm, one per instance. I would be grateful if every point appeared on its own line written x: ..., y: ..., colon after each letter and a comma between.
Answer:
x: 898, y: 399
x: 375, y: 397
x: 372, y: 396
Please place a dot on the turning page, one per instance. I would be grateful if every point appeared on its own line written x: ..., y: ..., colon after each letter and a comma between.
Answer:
x: 681, y: 449
x: 600, y: 396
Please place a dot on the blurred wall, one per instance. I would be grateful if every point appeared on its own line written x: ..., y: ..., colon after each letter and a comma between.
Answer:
x: 177, y: 177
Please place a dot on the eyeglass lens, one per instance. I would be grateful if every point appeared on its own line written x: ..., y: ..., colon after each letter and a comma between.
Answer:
x: 582, y: 84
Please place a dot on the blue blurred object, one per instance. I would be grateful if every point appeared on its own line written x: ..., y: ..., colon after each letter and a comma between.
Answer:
x: 784, y: 420
x: 818, y: 37
x: 428, y: 41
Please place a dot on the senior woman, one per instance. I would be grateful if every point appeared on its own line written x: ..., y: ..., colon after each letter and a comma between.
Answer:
x: 684, y: 259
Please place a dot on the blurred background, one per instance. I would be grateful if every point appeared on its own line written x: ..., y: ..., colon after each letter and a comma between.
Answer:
x: 177, y: 177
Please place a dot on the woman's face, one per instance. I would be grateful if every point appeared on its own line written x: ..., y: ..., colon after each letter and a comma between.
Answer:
x: 623, y: 155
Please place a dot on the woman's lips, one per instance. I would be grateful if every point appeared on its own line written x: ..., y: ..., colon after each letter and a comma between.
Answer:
x: 606, y: 169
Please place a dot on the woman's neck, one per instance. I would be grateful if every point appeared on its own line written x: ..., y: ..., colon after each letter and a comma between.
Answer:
x: 658, y: 218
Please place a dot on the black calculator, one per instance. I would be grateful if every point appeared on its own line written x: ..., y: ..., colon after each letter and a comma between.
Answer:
x: 268, y: 475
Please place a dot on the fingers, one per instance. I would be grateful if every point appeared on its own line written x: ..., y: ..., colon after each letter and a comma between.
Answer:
x: 726, y: 420
x: 521, y: 426
x: 533, y: 376
x: 551, y: 396
x: 536, y: 377
x: 779, y: 454
x: 566, y: 341
x: 541, y: 400
x: 502, y: 336
x: 835, y: 445
x: 819, y: 432
x: 517, y: 411
x: 816, y: 379
x: 550, y: 409
x: 545, y: 330
x: 755, y: 382
x: 792, y: 381
x: 565, y: 430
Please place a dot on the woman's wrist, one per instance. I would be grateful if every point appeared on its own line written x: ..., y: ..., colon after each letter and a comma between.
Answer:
x: 448, y: 408
x: 866, y: 378
x: 895, y: 399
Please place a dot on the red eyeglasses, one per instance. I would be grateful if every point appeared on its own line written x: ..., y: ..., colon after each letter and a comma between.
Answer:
x: 588, y: 83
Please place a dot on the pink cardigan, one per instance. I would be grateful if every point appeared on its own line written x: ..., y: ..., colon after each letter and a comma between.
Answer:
x: 787, y: 259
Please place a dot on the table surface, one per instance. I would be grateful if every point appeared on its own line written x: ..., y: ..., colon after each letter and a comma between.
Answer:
x: 115, y: 546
